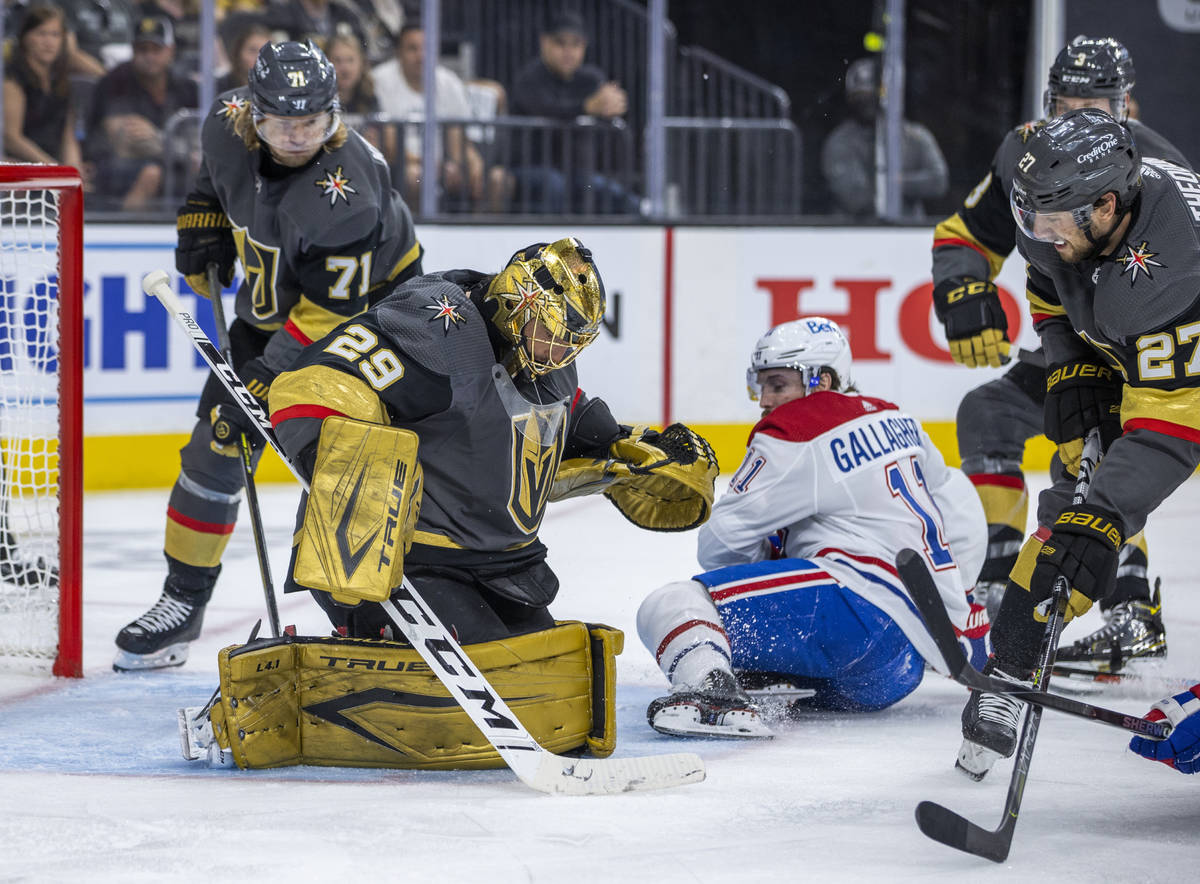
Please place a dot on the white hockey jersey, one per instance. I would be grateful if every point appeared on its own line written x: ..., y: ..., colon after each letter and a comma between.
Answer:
x: 851, y: 480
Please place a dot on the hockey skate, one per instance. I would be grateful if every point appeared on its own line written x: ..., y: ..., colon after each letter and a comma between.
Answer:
x: 989, y: 726
x: 1134, y: 631
x: 718, y: 708
x: 777, y: 696
x: 159, y: 638
x: 989, y: 593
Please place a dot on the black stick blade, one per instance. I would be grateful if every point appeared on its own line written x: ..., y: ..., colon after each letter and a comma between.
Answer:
x: 919, y: 583
x: 944, y: 825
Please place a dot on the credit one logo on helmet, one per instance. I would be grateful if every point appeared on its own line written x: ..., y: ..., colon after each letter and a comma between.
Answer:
x: 1101, y: 149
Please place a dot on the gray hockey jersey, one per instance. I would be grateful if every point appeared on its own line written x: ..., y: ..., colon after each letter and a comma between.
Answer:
x: 489, y: 445
x: 314, y: 242
x: 1139, y: 308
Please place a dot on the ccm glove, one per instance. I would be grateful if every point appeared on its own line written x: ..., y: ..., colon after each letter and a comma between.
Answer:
x: 205, y: 236
x: 1182, y: 749
x: 1082, y: 548
x: 976, y: 327
x: 227, y: 416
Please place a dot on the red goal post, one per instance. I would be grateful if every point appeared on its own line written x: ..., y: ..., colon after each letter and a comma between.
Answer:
x: 41, y: 418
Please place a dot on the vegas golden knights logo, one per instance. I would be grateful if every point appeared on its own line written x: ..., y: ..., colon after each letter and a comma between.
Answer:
x: 261, y: 263
x: 534, y: 463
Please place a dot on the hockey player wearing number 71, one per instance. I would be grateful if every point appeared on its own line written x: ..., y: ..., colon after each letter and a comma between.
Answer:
x: 799, y: 585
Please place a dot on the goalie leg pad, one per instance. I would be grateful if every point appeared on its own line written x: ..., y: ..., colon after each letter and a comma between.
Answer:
x: 358, y: 703
x: 361, y: 512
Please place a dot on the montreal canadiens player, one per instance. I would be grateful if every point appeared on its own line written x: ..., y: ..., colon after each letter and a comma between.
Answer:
x: 1182, y: 749
x: 799, y: 585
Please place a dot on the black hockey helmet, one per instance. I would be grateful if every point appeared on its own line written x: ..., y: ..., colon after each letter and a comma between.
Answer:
x: 293, y: 80
x: 1069, y: 164
x: 1091, y: 67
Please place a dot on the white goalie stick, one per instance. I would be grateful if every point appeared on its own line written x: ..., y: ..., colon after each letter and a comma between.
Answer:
x: 533, y: 765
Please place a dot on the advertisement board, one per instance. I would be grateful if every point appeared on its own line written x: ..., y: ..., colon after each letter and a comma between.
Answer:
x: 685, y: 306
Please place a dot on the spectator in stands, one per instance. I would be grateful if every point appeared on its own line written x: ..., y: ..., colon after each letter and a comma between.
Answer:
x: 184, y: 16
x: 380, y: 21
x: 848, y: 155
x: 97, y: 30
x: 130, y: 108
x: 559, y: 85
x: 39, y: 123
x: 243, y: 35
x: 356, y: 92
x: 315, y: 20
x: 398, y: 84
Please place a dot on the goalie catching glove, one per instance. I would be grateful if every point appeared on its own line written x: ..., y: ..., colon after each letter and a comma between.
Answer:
x: 660, y: 481
x: 205, y: 237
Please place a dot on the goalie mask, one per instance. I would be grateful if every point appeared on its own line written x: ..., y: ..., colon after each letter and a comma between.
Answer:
x: 294, y: 97
x: 549, y: 302
x: 809, y: 345
x: 1069, y: 165
x: 1091, y: 67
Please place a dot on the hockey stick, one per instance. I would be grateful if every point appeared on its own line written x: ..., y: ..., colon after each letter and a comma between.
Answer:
x: 535, y: 766
x: 247, y: 454
x: 944, y: 825
x: 917, y: 580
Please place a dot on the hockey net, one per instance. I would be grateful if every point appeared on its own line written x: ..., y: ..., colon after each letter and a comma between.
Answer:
x: 41, y: 399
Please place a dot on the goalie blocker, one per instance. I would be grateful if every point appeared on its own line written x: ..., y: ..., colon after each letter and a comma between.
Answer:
x: 359, y: 703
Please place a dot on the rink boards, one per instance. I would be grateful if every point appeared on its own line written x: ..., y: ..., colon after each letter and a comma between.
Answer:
x: 686, y: 305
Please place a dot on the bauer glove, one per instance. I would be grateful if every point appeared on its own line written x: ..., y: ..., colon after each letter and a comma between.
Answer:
x: 1081, y: 394
x: 205, y: 237
x: 1182, y: 749
x: 1082, y: 547
x: 976, y: 327
x: 229, y: 419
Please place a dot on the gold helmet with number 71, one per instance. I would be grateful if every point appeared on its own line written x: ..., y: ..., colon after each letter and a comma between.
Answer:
x: 549, y: 303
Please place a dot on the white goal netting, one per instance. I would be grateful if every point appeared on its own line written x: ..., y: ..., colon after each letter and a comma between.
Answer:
x: 29, y: 427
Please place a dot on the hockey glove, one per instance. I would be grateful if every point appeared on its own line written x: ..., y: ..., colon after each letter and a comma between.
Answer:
x: 205, y: 236
x: 659, y: 481
x: 1182, y: 749
x: 976, y: 327
x: 227, y: 416
x: 1080, y: 395
x: 1082, y: 548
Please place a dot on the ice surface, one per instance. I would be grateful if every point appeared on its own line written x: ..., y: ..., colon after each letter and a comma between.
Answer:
x: 92, y: 785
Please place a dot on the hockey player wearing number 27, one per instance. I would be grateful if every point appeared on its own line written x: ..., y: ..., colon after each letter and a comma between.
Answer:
x: 799, y: 587
x: 1113, y: 249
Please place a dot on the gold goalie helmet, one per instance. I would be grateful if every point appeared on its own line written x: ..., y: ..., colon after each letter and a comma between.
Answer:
x: 549, y: 303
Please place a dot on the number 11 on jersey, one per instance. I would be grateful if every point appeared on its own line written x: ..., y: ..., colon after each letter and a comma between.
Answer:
x: 906, y: 481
